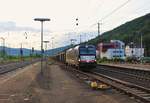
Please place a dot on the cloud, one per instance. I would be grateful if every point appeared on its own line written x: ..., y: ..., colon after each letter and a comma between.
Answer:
x: 11, y: 26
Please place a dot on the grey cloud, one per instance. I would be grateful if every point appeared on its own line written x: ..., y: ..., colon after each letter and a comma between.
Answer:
x: 11, y: 26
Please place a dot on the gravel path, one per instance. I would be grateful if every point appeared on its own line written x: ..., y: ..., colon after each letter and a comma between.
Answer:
x: 58, y: 86
x: 54, y: 86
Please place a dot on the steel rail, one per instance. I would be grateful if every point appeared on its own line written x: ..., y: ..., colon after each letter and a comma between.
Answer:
x: 138, y: 92
x: 137, y: 78
x: 13, y: 66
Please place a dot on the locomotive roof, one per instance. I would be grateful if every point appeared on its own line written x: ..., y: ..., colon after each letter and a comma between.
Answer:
x: 78, y: 46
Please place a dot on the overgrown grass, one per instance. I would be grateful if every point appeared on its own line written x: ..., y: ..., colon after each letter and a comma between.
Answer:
x: 114, y: 60
x: 7, y: 59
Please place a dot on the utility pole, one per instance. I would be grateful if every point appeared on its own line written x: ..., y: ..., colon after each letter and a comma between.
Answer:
x: 3, y: 51
x: 52, y: 45
x: 141, y: 44
x: 98, y: 29
x: 99, y: 33
x: 80, y: 38
x: 100, y: 38
x: 85, y: 38
x: 21, y: 52
x: 141, y: 47
x: 32, y: 53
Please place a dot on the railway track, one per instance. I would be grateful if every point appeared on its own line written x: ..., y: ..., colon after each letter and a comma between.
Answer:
x: 145, y: 73
x: 138, y: 92
x: 138, y: 77
x: 13, y: 66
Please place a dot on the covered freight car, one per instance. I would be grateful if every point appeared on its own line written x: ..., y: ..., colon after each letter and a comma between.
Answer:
x: 61, y: 57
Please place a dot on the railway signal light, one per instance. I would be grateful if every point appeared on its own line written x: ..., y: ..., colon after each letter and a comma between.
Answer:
x: 77, y: 22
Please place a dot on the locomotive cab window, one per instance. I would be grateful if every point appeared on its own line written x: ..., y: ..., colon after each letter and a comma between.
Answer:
x: 87, y: 51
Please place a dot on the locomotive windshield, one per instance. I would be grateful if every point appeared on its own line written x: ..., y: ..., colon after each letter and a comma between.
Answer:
x: 88, y: 50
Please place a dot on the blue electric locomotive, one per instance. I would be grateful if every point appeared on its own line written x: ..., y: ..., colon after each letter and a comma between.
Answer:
x: 83, y: 57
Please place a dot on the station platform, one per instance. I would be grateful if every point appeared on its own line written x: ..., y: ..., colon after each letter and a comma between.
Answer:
x: 130, y: 66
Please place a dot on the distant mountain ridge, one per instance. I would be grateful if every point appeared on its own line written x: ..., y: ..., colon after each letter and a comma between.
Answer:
x: 129, y: 32
x: 16, y: 51
x: 27, y: 52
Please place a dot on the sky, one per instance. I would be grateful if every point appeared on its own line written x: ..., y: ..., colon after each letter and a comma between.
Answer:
x: 17, y: 17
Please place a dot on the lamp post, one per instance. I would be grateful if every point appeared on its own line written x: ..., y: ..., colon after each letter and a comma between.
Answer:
x: 46, y: 42
x: 42, y: 20
x: 46, y: 55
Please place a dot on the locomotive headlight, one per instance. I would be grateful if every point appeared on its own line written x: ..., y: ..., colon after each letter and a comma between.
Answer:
x: 79, y: 60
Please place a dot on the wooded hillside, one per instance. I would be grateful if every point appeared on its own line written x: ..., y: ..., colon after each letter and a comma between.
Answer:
x: 129, y: 32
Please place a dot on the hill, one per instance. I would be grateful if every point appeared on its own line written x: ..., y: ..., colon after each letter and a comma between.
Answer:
x: 129, y: 32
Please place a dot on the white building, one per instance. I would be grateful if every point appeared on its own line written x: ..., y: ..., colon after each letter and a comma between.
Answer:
x: 134, y: 52
x: 114, y: 49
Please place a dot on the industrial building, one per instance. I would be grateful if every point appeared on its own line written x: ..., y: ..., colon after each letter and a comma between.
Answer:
x: 134, y: 52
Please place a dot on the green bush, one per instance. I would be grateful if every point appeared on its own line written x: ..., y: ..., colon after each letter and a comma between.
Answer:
x: 145, y: 59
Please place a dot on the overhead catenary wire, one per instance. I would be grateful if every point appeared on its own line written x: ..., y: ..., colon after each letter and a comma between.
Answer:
x: 106, y: 16
x: 112, y: 12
